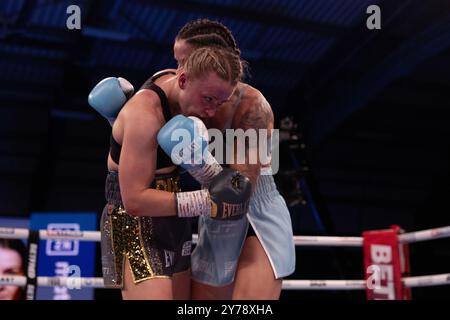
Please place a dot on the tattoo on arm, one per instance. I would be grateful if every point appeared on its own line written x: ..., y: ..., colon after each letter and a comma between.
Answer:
x: 258, y: 117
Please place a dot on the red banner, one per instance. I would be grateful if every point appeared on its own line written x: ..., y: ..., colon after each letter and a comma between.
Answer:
x: 386, y: 261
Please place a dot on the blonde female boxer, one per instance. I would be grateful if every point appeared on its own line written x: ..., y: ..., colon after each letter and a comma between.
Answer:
x: 145, y: 241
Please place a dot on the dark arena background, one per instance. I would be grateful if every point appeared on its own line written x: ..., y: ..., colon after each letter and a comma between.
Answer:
x: 359, y: 89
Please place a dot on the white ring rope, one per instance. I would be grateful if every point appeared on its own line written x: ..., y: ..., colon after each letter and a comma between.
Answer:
x: 425, y: 235
x: 409, y: 282
x: 77, y: 282
x: 70, y: 282
x: 20, y: 233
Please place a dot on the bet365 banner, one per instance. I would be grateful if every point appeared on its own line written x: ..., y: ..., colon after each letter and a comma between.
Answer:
x: 386, y: 261
x: 65, y: 258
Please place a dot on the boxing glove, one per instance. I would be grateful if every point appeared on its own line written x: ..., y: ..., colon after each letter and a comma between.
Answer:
x: 227, y: 197
x: 109, y: 96
x: 185, y: 140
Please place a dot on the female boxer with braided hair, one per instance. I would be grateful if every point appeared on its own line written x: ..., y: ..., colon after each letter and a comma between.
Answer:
x: 232, y: 260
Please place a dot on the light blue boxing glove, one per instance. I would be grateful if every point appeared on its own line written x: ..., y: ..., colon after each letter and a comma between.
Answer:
x: 185, y: 140
x: 225, y: 193
x: 109, y: 96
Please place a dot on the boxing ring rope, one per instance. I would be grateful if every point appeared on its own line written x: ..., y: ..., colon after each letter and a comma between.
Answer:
x: 411, y: 237
x: 21, y: 233
x: 77, y: 282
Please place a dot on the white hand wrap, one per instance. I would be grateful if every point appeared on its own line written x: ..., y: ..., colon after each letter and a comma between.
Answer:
x: 204, y: 174
x: 193, y: 203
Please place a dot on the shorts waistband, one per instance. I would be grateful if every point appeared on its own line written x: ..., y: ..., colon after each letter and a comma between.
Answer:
x: 265, y: 186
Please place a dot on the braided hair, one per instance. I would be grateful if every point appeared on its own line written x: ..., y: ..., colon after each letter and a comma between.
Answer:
x: 205, y: 32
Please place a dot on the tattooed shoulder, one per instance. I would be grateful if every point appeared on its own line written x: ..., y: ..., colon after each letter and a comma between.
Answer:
x: 256, y: 114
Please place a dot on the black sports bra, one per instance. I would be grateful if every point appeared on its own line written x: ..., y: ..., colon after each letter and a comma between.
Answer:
x: 162, y: 159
